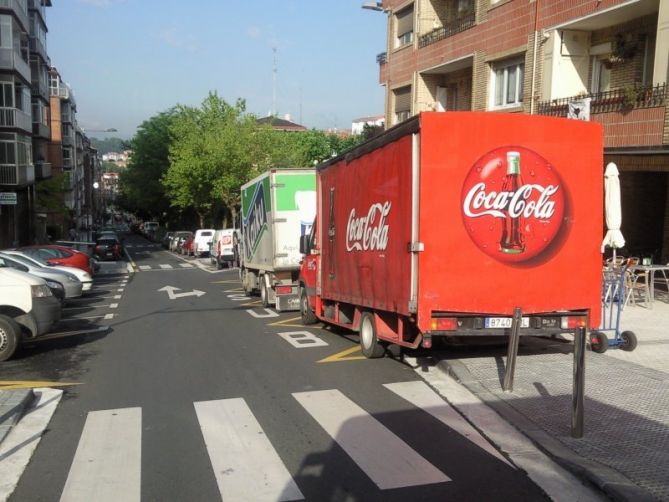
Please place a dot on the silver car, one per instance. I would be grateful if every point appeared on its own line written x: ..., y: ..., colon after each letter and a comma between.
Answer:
x: 72, y: 287
x: 85, y: 278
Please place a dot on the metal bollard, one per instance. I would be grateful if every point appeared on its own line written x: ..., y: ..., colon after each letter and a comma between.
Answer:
x: 578, y: 392
x: 513, y: 350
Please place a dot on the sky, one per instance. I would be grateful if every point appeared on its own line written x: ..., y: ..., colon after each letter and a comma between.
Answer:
x: 127, y: 60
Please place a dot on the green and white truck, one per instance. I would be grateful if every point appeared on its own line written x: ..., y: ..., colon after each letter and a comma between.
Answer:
x: 278, y: 207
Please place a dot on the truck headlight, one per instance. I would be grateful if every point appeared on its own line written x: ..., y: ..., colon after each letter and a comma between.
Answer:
x: 40, y: 291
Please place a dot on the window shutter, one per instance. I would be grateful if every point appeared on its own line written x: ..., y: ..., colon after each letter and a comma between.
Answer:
x: 405, y: 21
x: 403, y: 99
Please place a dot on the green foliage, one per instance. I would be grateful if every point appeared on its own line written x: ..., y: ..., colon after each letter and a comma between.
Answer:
x: 51, y: 193
x: 140, y: 189
x: 308, y: 148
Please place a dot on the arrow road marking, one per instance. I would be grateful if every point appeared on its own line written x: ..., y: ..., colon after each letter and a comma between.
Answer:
x: 173, y: 296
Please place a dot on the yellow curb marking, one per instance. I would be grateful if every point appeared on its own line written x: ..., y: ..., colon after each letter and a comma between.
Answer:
x: 257, y: 302
x: 286, y: 321
x: 236, y: 290
x: 343, y: 356
x: 29, y: 384
x: 225, y: 282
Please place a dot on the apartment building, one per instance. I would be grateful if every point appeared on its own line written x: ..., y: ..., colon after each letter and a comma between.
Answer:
x: 17, y: 173
x: 600, y: 60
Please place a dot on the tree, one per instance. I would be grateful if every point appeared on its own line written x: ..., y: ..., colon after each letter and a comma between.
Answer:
x: 140, y: 188
x: 216, y: 148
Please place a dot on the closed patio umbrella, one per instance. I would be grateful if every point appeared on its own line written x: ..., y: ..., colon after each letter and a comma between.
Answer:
x: 614, y: 237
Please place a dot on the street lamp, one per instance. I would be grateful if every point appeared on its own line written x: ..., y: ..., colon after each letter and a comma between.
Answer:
x: 111, y: 129
x: 378, y: 6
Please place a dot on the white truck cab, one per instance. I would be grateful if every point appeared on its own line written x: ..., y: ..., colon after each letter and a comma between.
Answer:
x: 28, y: 309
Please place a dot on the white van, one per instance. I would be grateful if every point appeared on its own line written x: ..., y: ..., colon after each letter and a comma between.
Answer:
x: 27, y: 309
x: 201, y: 241
x: 222, y: 250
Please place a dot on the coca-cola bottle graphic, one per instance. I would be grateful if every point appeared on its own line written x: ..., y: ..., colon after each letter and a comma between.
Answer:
x: 512, y: 241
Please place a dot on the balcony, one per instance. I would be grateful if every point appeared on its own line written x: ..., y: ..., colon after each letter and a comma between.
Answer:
x: 39, y: 87
x: 67, y: 140
x: 18, y: 9
x: 61, y: 92
x: 16, y: 119
x: 448, y: 30
x: 41, y: 130
x: 616, y: 100
x: 37, y: 6
x: 382, y: 58
x: 17, y: 175
x: 37, y: 47
x: 67, y: 164
x: 12, y: 61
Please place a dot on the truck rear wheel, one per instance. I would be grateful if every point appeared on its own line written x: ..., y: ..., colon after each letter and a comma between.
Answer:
x: 264, y: 294
x: 371, y: 348
x: 10, y: 337
x: 308, y: 316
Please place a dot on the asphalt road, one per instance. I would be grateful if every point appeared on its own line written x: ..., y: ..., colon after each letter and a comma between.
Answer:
x: 209, y: 396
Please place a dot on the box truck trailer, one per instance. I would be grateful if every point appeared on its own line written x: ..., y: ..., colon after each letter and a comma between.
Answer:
x: 446, y: 223
x: 277, y: 208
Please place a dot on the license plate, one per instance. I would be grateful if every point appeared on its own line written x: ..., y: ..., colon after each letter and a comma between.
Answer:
x: 505, y: 322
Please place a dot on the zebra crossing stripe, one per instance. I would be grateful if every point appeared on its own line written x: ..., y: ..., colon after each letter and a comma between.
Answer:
x: 145, y: 267
x: 185, y: 265
x: 107, y: 463
x: 422, y: 396
x: 165, y: 266
x: 245, y: 464
x: 385, y: 458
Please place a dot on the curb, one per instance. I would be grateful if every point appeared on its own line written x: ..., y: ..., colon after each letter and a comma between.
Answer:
x: 13, y: 404
x: 610, y: 481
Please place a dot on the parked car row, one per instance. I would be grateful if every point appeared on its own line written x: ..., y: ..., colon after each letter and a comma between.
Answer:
x: 219, y: 245
x: 35, y: 282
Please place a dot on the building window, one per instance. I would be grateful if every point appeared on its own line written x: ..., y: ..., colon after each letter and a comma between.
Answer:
x: 404, y: 27
x: 601, y: 75
x: 507, y: 83
x: 402, y: 98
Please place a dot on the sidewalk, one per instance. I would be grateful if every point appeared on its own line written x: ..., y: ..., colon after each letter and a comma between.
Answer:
x: 625, y: 447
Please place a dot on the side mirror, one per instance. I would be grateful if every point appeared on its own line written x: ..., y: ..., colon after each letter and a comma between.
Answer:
x: 304, y: 244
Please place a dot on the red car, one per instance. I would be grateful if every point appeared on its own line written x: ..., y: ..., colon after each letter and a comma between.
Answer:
x: 187, y: 246
x: 59, y: 255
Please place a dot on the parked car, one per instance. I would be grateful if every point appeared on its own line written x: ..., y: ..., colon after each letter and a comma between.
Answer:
x: 59, y: 280
x: 178, y: 239
x: 186, y: 245
x: 149, y: 229
x: 201, y: 241
x: 84, y: 277
x: 165, y: 241
x: 27, y: 309
x: 60, y: 255
x: 221, y: 250
x: 108, y: 247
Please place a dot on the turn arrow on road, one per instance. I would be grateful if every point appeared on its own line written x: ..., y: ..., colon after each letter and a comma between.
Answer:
x: 173, y: 296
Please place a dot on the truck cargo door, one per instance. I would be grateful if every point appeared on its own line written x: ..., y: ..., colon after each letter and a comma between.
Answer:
x: 331, y: 234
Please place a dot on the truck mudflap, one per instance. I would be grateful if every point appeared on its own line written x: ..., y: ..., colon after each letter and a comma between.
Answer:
x: 286, y: 302
x: 544, y: 324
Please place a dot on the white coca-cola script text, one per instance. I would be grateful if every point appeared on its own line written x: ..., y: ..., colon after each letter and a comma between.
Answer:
x: 370, y: 232
x: 478, y: 202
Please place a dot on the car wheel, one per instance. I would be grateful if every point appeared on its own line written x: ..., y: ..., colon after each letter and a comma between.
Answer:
x: 219, y: 265
x: 308, y: 316
x: 10, y: 337
x: 264, y: 294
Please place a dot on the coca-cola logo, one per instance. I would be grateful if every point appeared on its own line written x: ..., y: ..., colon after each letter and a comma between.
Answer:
x: 512, y: 203
x: 368, y: 232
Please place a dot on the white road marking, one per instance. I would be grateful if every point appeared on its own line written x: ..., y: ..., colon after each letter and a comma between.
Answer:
x: 108, y: 461
x: 186, y: 265
x: 245, y: 463
x: 422, y: 396
x: 18, y: 446
x: 121, y: 290
x: 238, y: 297
x: 145, y: 267
x: 384, y: 457
x: 165, y: 266
x: 302, y: 339
x: 109, y: 316
x: 268, y: 313
x: 118, y: 297
x: 113, y: 305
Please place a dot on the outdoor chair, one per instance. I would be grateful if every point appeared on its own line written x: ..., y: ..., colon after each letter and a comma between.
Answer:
x: 619, y: 261
x: 637, y: 283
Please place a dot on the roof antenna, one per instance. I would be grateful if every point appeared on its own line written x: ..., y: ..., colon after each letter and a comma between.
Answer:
x: 274, y: 71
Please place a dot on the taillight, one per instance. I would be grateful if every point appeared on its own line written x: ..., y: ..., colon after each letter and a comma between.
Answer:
x: 444, y: 324
x: 573, y: 322
x: 284, y: 290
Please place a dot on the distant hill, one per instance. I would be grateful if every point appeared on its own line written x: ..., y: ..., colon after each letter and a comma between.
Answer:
x: 109, y: 145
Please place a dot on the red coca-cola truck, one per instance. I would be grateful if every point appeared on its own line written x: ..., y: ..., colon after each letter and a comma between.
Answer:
x: 446, y: 223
